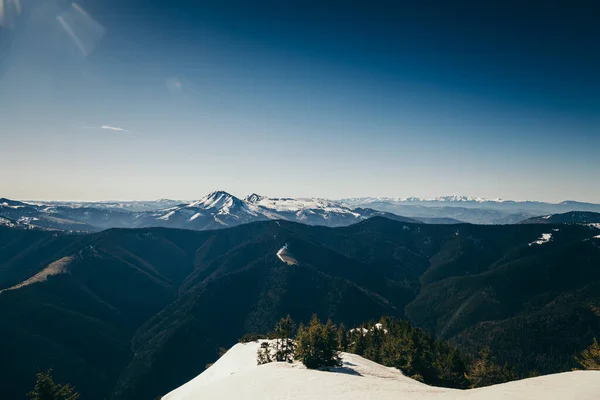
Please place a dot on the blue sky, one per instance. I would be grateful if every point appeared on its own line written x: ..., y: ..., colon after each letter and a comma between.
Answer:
x: 290, y: 98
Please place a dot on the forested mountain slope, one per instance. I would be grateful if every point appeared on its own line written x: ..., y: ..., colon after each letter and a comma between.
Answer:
x: 129, y: 303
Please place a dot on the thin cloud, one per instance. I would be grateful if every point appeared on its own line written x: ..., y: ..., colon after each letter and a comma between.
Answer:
x: 113, y: 128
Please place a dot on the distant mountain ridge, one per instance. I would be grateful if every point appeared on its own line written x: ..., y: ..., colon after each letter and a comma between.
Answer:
x: 220, y: 209
x: 572, y: 217
x: 476, y: 210
x: 462, y: 199
x: 216, y: 210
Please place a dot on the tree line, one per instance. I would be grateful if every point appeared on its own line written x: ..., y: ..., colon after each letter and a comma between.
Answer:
x: 390, y: 342
x: 394, y: 343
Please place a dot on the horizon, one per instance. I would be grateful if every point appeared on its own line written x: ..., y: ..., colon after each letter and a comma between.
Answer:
x: 130, y: 99
x: 397, y: 198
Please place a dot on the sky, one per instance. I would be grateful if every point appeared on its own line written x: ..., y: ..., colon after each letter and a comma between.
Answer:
x: 124, y: 99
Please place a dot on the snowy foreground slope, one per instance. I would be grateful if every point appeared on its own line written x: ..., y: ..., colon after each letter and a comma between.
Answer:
x: 236, y: 376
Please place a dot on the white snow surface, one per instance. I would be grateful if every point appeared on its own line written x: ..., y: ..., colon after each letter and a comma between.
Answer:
x: 284, y: 256
x: 167, y: 216
x: 544, y: 239
x: 299, y: 204
x: 6, y: 222
x: 193, y: 217
x: 443, y: 199
x: 236, y: 376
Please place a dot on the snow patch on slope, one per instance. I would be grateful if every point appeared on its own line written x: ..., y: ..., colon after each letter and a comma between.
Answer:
x: 167, y: 216
x: 284, y: 256
x: 193, y: 217
x: 544, y: 239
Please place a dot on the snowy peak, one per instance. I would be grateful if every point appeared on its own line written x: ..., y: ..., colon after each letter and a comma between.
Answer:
x: 253, y: 198
x: 224, y: 209
x: 217, y: 199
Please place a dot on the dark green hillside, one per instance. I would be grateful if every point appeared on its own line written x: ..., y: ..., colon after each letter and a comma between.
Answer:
x: 139, y: 312
x: 572, y: 217
x: 81, y: 322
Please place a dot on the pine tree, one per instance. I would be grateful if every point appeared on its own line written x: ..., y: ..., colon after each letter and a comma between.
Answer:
x: 342, y: 338
x: 357, y: 343
x: 46, y: 389
x: 484, y: 372
x: 317, y: 345
x: 263, y: 355
x: 590, y: 357
x: 284, y: 344
x: 331, y: 349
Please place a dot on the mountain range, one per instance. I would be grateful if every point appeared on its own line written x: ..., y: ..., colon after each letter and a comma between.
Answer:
x: 216, y: 210
x: 474, y: 210
x: 220, y: 209
x: 134, y: 313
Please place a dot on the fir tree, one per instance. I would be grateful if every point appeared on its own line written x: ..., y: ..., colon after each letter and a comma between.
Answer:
x: 317, y: 345
x: 342, y: 338
x: 46, y: 389
x: 484, y: 372
x: 358, y: 343
x: 590, y: 357
x: 284, y: 344
x: 263, y: 355
x: 394, y: 343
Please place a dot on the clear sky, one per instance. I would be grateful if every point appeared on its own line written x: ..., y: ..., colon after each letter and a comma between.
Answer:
x: 126, y: 99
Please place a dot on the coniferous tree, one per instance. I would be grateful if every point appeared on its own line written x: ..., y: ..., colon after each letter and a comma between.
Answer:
x: 590, y: 357
x: 46, y: 389
x: 263, y: 355
x: 317, y: 345
x: 484, y: 372
x: 357, y: 343
x: 331, y: 349
x: 394, y: 343
x: 342, y: 338
x: 284, y: 344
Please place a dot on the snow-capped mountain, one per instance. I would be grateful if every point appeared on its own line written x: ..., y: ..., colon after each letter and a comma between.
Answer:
x: 216, y: 210
x: 220, y: 209
x: 133, y: 206
x: 440, y: 199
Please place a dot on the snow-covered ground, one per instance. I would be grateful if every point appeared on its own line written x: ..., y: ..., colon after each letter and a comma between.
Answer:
x: 236, y: 376
x: 284, y: 255
x: 544, y: 239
